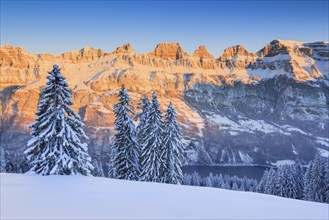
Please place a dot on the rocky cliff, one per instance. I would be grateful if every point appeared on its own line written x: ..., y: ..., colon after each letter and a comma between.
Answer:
x: 267, y: 107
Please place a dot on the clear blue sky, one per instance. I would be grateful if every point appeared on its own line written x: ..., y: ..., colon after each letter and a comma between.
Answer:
x: 59, y: 26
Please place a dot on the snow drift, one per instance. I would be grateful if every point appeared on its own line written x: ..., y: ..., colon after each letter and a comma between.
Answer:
x: 79, y: 197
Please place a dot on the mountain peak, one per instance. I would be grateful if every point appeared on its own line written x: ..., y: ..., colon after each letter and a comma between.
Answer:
x: 202, y: 53
x: 236, y: 50
x: 171, y: 51
x: 126, y: 48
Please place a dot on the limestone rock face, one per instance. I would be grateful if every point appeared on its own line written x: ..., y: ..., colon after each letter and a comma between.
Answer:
x: 84, y: 55
x: 172, y: 51
x: 237, y: 50
x: 236, y: 109
x: 236, y: 57
x: 202, y: 53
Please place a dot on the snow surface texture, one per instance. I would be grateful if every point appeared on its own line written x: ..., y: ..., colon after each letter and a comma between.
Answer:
x: 78, y: 197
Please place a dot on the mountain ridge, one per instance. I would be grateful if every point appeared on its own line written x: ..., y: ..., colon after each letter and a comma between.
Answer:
x: 271, y: 98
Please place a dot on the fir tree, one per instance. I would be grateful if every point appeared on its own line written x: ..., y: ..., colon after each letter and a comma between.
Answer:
x: 308, y: 182
x: 21, y: 164
x: 151, y: 161
x: 126, y: 150
x: 263, y: 182
x: 271, y: 184
x: 326, y: 180
x: 282, y: 181
x: 315, y: 187
x: 10, y: 167
x: 98, y: 169
x: 187, y: 179
x: 56, y: 147
x: 196, y: 179
x: 144, y: 106
x: 172, y: 148
x: 298, y: 175
x: 235, y: 186
x: 318, y: 184
x: 111, y: 164
x: 2, y: 160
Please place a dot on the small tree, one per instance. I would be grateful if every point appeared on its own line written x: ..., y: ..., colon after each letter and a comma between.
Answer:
x: 263, y: 182
x: 98, y: 168
x: 2, y: 160
x: 126, y: 150
x: 56, y: 147
x: 172, y: 149
x: 271, y: 184
x: 298, y: 176
x: 144, y: 105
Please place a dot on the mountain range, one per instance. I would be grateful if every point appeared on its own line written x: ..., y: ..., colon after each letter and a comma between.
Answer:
x: 268, y: 108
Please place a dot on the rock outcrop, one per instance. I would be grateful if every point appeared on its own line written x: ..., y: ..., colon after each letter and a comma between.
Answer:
x: 202, y: 53
x: 172, y: 51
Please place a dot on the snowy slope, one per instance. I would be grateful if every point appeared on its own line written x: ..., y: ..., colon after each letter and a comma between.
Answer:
x: 78, y: 197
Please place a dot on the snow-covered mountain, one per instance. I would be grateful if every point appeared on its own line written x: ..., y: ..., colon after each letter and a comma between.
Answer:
x: 79, y: 197
x: 267, y: 107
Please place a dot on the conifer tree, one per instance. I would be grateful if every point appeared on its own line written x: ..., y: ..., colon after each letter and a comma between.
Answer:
x: 308, y: 182
x: 151, y: 161
x: 263, y: 182
x: 98, y: 169
x: 271, y: 184
x: 196, y: 179
x: 235, y: 186
x: 318, y: 180
x: 10, y: 167
x: 2, y: 160
x: 315, y: 187
x: 298, y: 176
x: 172, y: 148
x: 126, y: 151
x: 21, y: 164
x: 144, y: 106
x: 326, y: 180
x: 111, y: 164
x: 56, y: 147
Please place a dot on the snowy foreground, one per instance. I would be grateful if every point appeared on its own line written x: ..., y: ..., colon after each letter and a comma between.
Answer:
x: 79, y: 197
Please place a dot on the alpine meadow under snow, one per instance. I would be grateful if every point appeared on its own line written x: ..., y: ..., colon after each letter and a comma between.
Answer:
x: 79, y: 197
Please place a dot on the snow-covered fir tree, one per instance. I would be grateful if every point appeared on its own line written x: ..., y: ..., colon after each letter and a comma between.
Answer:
x: 2, y: 160
x: 144, y: 105
x: 111, y: 164
x: 282, y: 180
x: 298, y: 176
x: 10, y: 167
x: 187, y: 179
x: 172, y: 149
x: 126, y: 150
x: 308, y: 191
x: 263, y: 182
x: 196, y: 179
x: 151, y: 161
x: 235, y: 186
x: 98, y: 168
x: 56, y: 146
x: 315, y: 184
x: 21, y: 164
x: 271, y: 183
x: 326, y: 180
